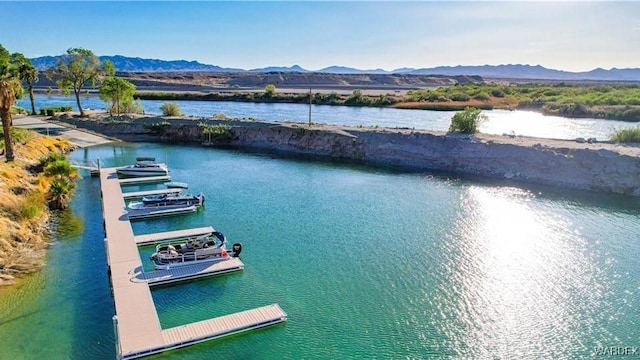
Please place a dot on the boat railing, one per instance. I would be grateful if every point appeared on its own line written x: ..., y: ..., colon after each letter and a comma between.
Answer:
x: 193, y: 256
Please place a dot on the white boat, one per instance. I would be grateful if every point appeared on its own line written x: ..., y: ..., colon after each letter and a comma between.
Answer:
x: 197, y: 250
x: 180, y: 198
x: 144, y: 166
x: 157, y: 211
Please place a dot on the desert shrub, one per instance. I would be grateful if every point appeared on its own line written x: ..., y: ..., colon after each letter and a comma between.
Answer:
x: 460, y: 97
x: 269, y: 90
x: 218, y: 133
x: 467, y: 121
x: 432, y: 96
x: 382, y: 100
x: 50, y: 158
x: 482, y: 96
x: 19, y: 135
x: 32, y: 207
x: 499, y: 93
x: 157, y: 127
x: 18, y: 110
x: 220, y: 116
x: 170, y: 109
x: 627, y: 135
x: 132, y: 107
x: 51, y: 110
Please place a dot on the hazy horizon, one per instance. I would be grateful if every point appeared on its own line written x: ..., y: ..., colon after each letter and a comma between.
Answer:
x: 569, y: 36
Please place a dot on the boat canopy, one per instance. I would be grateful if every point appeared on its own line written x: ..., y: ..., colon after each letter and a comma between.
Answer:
x: 177, y: 185
x: 145, y: 158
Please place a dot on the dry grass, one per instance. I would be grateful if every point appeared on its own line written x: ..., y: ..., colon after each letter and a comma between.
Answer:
x: 23, y: 213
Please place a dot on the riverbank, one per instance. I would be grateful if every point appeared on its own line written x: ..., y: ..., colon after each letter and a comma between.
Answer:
x: 604, y: 167
x: 612, y: 102
x: 24, y: 217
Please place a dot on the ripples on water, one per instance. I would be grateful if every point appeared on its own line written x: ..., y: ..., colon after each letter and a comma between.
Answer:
x: 367, y: 263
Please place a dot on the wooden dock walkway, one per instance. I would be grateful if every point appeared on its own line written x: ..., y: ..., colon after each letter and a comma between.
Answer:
x: 137, y: 327
x: 224, y: 325
x: 148, y: 239
x: 139, y: 194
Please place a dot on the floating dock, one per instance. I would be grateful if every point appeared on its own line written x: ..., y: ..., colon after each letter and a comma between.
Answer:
x: 148, y: 239
x: 189, y: 272
x: 136, y: 324
x: 139, y: 194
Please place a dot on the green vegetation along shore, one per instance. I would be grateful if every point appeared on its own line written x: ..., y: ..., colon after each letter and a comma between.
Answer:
x: 29, y: 187
x: 619, y: 102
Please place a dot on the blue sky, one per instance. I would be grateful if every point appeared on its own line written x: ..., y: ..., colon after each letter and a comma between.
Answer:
x: 574, y: 36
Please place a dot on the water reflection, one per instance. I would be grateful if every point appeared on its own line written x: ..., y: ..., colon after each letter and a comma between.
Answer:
x: 520, y: 278
x: 66, y: 225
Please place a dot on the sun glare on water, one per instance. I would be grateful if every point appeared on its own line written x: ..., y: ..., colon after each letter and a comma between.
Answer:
x: 518, y: 278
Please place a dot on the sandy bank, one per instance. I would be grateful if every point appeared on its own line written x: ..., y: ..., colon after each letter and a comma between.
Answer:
x: 600, y: 167
x: 24, y: 217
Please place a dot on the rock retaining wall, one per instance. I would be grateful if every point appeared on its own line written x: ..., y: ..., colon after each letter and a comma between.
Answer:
x: 600, y: 167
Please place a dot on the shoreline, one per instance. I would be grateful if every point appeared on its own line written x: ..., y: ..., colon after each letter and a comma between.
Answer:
x: 604, y: 167
x: 392, y: 99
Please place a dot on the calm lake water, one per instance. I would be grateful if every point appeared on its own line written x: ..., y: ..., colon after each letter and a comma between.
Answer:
x: 367, y: 263
x: 525, y: 123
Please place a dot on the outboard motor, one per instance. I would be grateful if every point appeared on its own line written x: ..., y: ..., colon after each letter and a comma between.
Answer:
x: 237, y: 249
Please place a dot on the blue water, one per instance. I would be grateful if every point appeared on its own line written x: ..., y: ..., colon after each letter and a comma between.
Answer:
x: 525, y: 123
x: 367, y: 263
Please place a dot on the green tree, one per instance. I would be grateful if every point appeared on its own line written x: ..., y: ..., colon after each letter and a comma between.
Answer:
x: 28, y: 74
x: 117, y: 91
x: 78, y: 68
x: 467, y: 121
x: 270, y: 90
x: 10, y: 91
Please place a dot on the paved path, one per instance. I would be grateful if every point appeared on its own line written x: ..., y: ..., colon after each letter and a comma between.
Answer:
x: 39, y: 124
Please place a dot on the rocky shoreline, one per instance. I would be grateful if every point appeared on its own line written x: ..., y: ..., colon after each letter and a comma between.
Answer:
x: 603, y: 167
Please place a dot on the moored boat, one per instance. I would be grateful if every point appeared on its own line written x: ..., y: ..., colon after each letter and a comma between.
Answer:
x: 202, y: 249
x: 168, y: 201
x: 181, y: 198
x: 144, y: 166
x: 158, y: 211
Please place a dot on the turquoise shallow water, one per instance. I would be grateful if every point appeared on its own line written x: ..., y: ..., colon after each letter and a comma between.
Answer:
x: 367, y: 263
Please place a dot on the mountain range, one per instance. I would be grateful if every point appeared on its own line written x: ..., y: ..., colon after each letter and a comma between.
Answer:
x: 537, y: 72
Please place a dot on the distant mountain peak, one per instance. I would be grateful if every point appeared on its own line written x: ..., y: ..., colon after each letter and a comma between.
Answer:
x: 294, y: 68
x: 503, y: 71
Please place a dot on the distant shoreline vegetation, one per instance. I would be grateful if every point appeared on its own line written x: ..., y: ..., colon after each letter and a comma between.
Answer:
x: 619, y: 102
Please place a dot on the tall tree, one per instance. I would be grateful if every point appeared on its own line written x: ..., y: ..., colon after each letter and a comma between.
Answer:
x: 10, y: 91
x: 117, y: 91
x: 76, y: 69
x: 28, y: 74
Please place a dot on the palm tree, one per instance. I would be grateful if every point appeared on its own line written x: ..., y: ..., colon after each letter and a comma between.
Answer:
x: 62, y: 186
x: 27, y: 73
x: 60, y: 193
x: 10, y: 90
x: 61, y: 169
